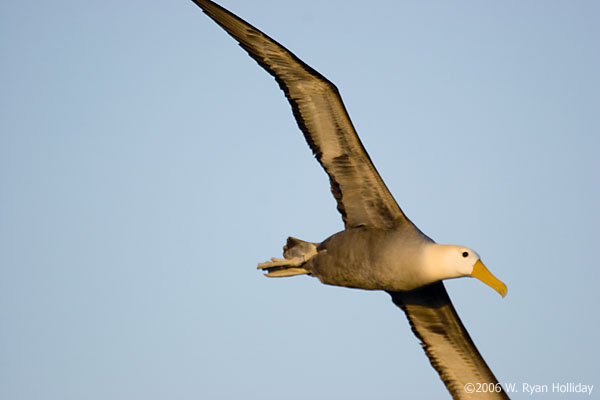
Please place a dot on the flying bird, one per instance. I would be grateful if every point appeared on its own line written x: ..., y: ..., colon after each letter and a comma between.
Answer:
x: 380, y: 248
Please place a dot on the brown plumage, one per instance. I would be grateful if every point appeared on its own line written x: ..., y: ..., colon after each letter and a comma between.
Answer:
x: 380, y: 248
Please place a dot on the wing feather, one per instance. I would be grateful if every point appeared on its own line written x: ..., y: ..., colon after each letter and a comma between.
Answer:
x: 361, y: 195
x: 446, y: 342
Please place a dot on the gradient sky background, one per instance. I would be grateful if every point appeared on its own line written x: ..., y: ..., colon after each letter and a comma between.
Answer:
x: 147, y: 164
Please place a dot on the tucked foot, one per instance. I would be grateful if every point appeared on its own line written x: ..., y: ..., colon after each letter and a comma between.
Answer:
x: 280, y: 267
x: 282, y: 262
x: 297, y: 253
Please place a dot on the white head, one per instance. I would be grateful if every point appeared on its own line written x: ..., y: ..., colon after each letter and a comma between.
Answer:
x: 449, y: 261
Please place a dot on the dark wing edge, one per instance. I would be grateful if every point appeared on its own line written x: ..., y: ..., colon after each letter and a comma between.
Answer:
x: 446, y: 342
x: 362, y: 196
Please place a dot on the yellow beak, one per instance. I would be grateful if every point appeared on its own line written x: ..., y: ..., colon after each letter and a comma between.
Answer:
x: 481, y: 272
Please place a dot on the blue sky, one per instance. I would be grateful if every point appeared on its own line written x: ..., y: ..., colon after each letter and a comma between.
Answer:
x: 147, y: 164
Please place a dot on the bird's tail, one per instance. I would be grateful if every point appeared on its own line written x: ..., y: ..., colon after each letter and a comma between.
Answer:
x: 296, y: 253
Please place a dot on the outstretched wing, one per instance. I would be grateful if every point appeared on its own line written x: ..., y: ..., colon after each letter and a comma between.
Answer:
x: 447, y: 343
x: 362, y: 197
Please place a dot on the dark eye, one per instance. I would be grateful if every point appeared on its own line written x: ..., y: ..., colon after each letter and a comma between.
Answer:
x: 465, y: 254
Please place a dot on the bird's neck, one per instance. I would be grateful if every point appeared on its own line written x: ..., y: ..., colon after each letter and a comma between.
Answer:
x: 437, y: 264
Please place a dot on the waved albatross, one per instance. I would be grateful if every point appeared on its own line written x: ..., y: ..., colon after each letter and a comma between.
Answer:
x: 380, y: 248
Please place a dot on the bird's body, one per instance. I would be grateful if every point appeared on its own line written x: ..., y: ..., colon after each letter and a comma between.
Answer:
x: 372, y: 259
x: 380, y: 248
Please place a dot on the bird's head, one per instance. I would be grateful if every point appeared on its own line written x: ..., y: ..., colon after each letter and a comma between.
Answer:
x: 459, y: 261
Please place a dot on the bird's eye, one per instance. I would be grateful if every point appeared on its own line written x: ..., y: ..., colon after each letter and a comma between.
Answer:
x: 465, y: 254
